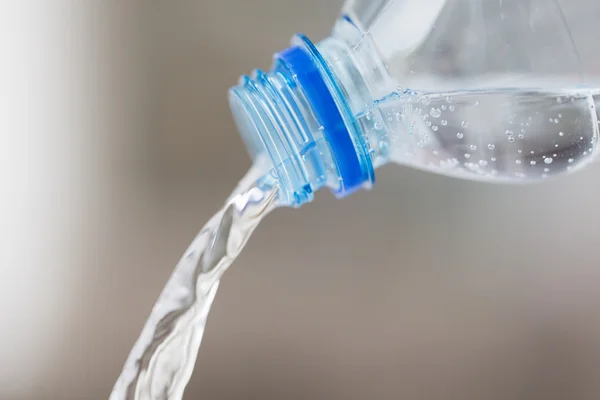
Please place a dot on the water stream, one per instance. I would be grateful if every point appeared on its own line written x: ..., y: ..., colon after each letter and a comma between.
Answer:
x: 161, y: 361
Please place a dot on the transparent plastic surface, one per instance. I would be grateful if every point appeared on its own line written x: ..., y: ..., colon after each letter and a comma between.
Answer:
x: 492, y: 90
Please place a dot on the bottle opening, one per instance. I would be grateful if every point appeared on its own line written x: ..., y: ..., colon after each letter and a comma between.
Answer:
x: 297, y: 116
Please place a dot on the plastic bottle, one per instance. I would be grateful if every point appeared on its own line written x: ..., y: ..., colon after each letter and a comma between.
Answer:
x: 491, y: 90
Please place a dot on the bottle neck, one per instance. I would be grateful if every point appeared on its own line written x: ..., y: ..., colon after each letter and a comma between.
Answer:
x: 298, y: 118
x: 365, y: 81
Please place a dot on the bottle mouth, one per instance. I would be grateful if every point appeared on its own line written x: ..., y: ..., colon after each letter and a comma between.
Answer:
x: 246, y: 105
x: 272, y: 130
x: 297, y: 116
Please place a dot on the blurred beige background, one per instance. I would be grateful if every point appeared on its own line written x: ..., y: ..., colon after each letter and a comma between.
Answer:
x: 449, y: 289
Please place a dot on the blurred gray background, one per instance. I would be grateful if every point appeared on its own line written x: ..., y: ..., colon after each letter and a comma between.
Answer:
x: 424, y: 288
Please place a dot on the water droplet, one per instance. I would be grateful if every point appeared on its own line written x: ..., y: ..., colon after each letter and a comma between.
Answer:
x: 511, y: 139
x: 532, y: 162
x: 448, y: 99
x: 556, y: 121
x: 585, y: 153
x: 428, y: 123
x: 435, y: 112
x: 518, y: 162
x: 467, y: 155
x: 434, y: 128
x: 398, y: 117
x: 561, y: 134
x: 509, y: 132
x: 444, y: 107
x: 369, y: 116
x: 483, y: 163
x: 383, y: 146
x: 460, y: 135
x: 571, y: 160
x: 444, y: 122
x: 559, y: 115
x: 519, y: 151
x: 493, y: 159
x: 580, y: 137
x: 532, y: 152
x: 556, y: 145
x: 464, y: 124
x: 546, y: 169
x: 473, y: 147
x: 451, y: 108
x: 491, y: 146
x: 548, y: 160
x: 476, y: 103
x: 426, y: 100
x: 553, y: 155
x: 378, y: 125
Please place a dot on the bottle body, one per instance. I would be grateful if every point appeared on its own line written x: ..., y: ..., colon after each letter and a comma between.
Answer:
x: 477, y: 89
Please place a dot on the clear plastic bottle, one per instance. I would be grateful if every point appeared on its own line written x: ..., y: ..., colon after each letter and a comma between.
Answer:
x: 491, y: 90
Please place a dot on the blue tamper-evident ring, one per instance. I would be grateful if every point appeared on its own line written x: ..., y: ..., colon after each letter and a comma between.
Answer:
x: 328, y: 115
